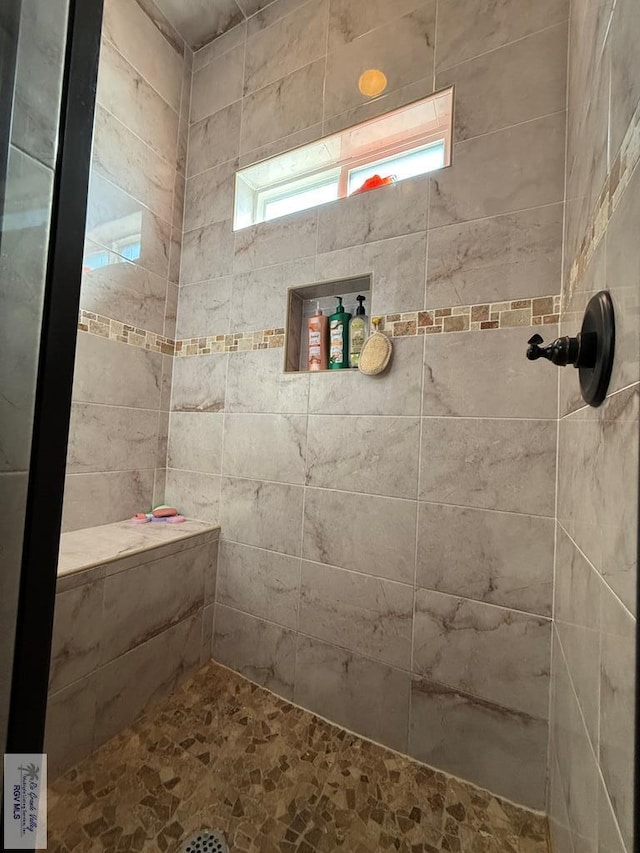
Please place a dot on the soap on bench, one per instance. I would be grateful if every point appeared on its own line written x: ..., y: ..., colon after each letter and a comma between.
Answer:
x: 164, y: 512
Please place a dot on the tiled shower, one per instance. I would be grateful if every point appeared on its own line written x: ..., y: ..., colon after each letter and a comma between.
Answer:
x: 441, y: 559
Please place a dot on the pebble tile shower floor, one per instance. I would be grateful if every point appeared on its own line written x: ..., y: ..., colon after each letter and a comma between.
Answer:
x: 223, y: 754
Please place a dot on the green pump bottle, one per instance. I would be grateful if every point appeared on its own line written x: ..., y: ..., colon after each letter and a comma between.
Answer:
x: 339, y: 337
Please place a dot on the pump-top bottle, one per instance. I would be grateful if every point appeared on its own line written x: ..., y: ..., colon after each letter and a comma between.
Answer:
x: 357, y: 333
x: 339, y: 337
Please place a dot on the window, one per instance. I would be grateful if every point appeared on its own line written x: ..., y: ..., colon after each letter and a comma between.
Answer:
x: 407, y: 142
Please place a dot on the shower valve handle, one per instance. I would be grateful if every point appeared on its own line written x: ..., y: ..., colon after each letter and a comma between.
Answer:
x: 562, y: 351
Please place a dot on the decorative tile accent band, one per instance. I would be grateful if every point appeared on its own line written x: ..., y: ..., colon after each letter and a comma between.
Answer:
x: 114, y: 330
x: 614, y: 186
x: 543, y: 310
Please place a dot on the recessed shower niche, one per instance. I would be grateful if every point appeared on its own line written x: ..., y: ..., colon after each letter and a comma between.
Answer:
x: 302, y: 302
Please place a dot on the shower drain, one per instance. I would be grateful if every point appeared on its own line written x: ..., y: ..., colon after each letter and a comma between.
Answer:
x: 205, y: 842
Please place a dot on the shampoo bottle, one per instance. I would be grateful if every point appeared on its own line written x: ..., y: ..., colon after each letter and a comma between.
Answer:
x: 339, y: 337
x: 318, y: 344
x: 357, y: 333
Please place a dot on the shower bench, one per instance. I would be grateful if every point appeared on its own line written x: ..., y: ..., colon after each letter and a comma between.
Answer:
x: 134, y: 618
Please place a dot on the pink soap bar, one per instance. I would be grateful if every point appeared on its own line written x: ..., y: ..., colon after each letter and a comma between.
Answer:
x: 165, y: 512
x: 140, y: 519
x: 176, y: 519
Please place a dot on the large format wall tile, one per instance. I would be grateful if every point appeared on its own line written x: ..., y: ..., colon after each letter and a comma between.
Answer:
x: 256, y: 383
x: 293, y: 41
x: 375, y: 455
x: 126, y: 161
x: 214, y: 140
x: 194, y: 494
x: 367, y: 615
x: 397, y: 268
x: 199, y: 384
x: 195, y: 441
x: 209, y: 196
x: 394, y: 392
x: 77, y: 634
x: 116, y: 495
x: 499, y: 655
x: 262, y: 583
x: 207, y: 253
x: 70, y: 722
x: 267, y: 515
x: 111, y: 438
x: 352, y: 18
x: 478, y: 741
x: 513, y: 169
x: 259, y: 298
x: 204, y: 308
x: 283, y: 107
x: 379, y: 49
x: 502, y: 257
x: 467, y: 28
x: 489, y: 464
x: 381, y: 533
x: 498, y: 557
x: 625, y: 81
x: 261, y: 651
x: 497, y: 380
x: 276, y: 242
x: 269, y: 447
x: 519, y: 82
x: 361, y: 694
x: 217, y: 84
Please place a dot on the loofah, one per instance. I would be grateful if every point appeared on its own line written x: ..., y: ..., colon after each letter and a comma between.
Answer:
x: 376, y: 352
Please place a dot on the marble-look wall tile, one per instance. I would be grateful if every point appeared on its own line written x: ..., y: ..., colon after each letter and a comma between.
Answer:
x: 478, y: 741
x: 622, y: 272
x: 100, y: 366
x: 141, y: 603
x: 214, y: 140
x: 597, y: 494
x: 381, y: 533
x: 261, y: 583
x: 379, y: 49
x: 217, y: 84
x: 137, y: 680
x: 578, y: 593
x: 519, y: 82
x: 609, y: 836
x: 397, y: 268
x: 207, y: 253
x: 171, y: 310
x: 276, y: 242
x: 261, y: 651
x: 165, y: 386
x: 625, y: 80
x: 127, y: 95
x: 499, y: 655
x: 515, y: 391
x: 203, y: 308
x: 394, y: 392
x: 288, y: 44
x: 467, y: 28
x: 194, y: 494
x: 617, y: 709
x: 268, y: 447
x: 256, y: 383
x: 267, y: 515
x: 71, y: 714
x: 201, y: 21
x: 491, y: 174
x: 376, y: 455
x: 501, y: 257
x: 259, y: 299
x: 122, y: 158
x: 199, y: 384
x: 114, y: 216
x: 489, y: 464
x: 497, y: 557
x: 122, y: 291
x: 206, y: 650
x: 279, y: 146
x: 386, y: 212
x: 263, y: 13
x: 77, y: 634
x: 195, y: 441
x: 361, y: 694
x: 370, y: 616
x: 28, y: 199
x: 559, y: 829
x: 91, y: 499
x: 577, y: 762
x: 143, y: 45
x: 350, y: 19
x: 209, y: 196
x: 219, y: 46
x: 283, y: 107
x: 111, y: 438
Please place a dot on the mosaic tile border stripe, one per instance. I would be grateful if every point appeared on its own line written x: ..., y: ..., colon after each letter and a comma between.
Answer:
x: 537, y: 311
x: 614, y: 186
x: 115, y: 330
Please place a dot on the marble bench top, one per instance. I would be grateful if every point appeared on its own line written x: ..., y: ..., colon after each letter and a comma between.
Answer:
x: 98, y: 546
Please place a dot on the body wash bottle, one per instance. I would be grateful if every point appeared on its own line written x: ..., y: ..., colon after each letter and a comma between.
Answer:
x: 339, y: 337
x: 357, y: 333
x: 318, y: 358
